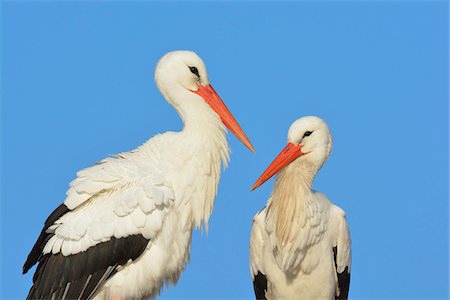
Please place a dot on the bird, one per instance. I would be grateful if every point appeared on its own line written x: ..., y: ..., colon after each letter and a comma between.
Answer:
x: 125, y: 227
x: 300, y: 246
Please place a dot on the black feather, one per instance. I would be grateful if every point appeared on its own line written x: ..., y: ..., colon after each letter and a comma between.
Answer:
x: 260, y: 286
x: 36, y: 252
x: 98, y: 263
x: 343, y: 279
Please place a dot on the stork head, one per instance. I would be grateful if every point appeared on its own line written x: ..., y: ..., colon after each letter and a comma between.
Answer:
x: 182, y: 78
x: 309, y: 142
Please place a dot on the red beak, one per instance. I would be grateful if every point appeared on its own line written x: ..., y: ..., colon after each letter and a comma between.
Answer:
x: 212, y: 98
x: 286, y: 156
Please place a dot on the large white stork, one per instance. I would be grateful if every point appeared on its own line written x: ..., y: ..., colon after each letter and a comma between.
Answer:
x: 300, y: 245
x: 126, y: 225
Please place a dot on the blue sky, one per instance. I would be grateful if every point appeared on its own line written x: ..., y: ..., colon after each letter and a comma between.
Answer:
x: 77, y: 85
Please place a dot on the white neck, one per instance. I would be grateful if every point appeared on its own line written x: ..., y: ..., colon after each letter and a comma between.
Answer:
x: 203, y: 129
x: 203, y: 146
x: 209, y: 151
x: 291, y: 212
x: 290, y: 199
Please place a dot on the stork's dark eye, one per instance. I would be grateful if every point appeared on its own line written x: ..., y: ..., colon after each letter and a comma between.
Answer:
x: 308, y: 133
x: 194, y: 71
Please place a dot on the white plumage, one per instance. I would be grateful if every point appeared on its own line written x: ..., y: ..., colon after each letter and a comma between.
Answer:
x: 300, y: 244
x: 158, y: 192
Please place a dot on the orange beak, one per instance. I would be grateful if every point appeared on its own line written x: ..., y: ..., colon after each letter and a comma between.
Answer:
x: 212, y: 98
x: 286, y: 156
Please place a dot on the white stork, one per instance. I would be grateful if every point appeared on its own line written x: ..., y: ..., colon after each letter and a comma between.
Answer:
x: 125, y: 228
x: 300, y: 244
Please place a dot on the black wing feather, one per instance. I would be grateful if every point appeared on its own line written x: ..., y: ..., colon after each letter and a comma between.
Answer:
x: 77, y: 276
x: 58, y: 275
x: 343, y: 280
x: 36, y: 252
x: 260, y: 286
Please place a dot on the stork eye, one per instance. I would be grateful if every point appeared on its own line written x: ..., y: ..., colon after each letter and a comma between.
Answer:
x: 308, y: 133
x: 194, y: 71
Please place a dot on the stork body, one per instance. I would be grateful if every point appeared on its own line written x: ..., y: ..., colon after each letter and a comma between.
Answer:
x: 300, y: 245
x: 125, y: 227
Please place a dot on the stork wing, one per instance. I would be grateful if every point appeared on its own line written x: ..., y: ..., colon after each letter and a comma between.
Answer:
x: 342, y: 255
x: 108, y: 174
x: 256, y: 251
x: 107, y: 220
x: 79, y: 276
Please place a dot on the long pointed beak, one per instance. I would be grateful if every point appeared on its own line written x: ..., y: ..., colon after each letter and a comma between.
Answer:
x: 286, y: 156
x: 216, y: 103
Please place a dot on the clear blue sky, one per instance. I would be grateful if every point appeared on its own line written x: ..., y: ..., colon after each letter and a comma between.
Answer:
x: 77, y: 85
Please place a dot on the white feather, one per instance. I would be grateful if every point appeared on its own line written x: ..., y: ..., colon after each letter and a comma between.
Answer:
x: 138, y: 218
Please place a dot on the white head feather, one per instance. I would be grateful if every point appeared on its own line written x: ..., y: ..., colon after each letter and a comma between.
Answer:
x: 316, y: 144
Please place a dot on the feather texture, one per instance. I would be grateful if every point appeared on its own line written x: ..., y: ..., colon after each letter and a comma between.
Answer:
x: 131, y: 194
x: 79, y: 276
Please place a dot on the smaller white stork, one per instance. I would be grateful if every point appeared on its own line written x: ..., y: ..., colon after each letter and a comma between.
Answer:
x: 300, y: 244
